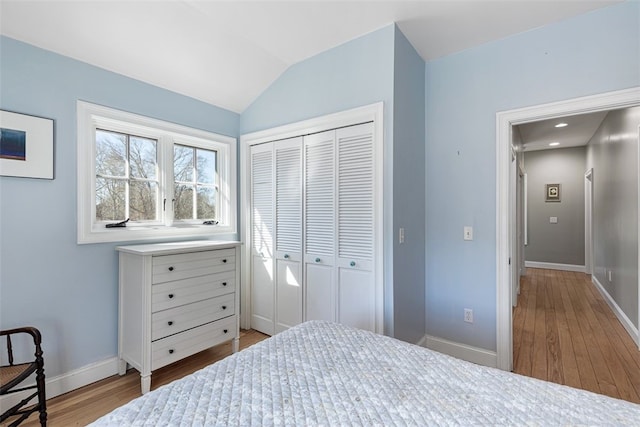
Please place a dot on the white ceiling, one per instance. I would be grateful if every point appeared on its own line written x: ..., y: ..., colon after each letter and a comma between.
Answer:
x: 579, y: 130
x: 227, y: 52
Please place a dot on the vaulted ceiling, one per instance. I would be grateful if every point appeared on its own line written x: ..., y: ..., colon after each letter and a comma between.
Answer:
x: 227, y: 52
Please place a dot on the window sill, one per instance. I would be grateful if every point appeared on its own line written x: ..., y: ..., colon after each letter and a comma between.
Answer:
x: 133, y: 233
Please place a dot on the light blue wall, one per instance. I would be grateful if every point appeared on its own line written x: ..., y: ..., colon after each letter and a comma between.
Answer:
x: 592, y: 53
x: 69, y: 291
x: 408, y: 191
x: 351, y: 75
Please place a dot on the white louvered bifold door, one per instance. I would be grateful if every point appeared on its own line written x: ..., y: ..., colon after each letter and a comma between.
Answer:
x: 262, y: 239
x: 288, y: 203
x: 355, y: 223
x: 319, y: 226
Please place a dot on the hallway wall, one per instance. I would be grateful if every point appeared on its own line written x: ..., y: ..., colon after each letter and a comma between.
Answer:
x: 562, y: 242
x: 612, y: 152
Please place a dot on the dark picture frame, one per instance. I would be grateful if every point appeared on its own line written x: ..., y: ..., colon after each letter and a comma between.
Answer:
x: 552, y: 192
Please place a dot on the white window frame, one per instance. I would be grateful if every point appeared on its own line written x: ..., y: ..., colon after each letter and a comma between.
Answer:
x: 91, y: 117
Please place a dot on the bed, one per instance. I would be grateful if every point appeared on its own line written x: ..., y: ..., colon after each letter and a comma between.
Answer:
x: 322, y: 373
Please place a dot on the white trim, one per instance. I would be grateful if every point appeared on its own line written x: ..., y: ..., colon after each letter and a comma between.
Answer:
x: 638, y: 319
x: 525, y: 216
x: 423, y: 341
x: 555, y: 266
x: 89, y: 116
x: 469, y: 353
x: 367, y: 113
x: 588, y: 221
x: 504, y: 122
x: 626, y: 322
x: 70, y: 381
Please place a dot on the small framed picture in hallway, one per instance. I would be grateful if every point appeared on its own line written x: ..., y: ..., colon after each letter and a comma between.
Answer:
x: 553, y: 192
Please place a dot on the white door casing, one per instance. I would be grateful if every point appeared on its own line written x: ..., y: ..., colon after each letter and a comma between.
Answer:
x: 504, y: 122
x: 588, y: 224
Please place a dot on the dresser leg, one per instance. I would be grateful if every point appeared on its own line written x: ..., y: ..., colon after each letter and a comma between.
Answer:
x: 235, y: 345
x: 122, y: 367
x: 145, y: 383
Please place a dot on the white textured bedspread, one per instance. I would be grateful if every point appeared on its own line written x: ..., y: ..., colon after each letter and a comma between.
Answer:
x: 320, y: 373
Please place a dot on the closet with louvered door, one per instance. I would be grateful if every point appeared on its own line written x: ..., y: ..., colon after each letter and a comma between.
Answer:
x: 355, y: 226
x: 313, y: 230
x: 276, y: 215
x: 288, y: 176
x: 262, y: 229
x: 319, y: 226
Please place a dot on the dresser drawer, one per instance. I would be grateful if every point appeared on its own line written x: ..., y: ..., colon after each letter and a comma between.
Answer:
x: 178, y: 319
x: 182, y: 266
x: 184, y: 344
x: 180, y: 292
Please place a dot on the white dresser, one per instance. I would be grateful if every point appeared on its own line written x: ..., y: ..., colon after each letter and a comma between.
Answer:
x: 176, y: 299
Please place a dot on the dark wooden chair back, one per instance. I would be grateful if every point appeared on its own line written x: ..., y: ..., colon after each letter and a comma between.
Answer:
x: 13, y: 374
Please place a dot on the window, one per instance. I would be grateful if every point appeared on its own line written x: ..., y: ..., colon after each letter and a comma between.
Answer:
x: 166, y: 180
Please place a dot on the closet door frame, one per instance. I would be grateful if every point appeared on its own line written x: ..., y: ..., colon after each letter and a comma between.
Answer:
x: 369, y: 113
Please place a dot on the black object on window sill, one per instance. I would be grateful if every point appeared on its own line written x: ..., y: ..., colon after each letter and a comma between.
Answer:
x: 210, y: 223
x: 118, y: 224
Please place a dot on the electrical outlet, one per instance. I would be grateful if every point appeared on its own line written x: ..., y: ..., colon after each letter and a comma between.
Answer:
x: 401, y: 235
x: 468, y: 315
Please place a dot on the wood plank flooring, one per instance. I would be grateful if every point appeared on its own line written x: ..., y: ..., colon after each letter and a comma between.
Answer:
x: 85, y: 405
x: 564, y: 332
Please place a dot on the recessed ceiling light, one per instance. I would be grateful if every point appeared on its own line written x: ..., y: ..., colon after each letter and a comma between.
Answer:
x: 561, y: 125
x: 553, y: 144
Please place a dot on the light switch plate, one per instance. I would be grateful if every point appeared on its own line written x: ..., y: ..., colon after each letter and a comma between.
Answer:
x: 468, y: 233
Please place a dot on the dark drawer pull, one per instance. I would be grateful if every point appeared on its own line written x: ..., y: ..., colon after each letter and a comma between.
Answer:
x: 170, y: 268
x: 225, y: 331
x: 170, y: 295
x: 224, y: 261
x: 170, y: 322
x: 224, y: 307
x: 224, y: 283
x: 171, y: 351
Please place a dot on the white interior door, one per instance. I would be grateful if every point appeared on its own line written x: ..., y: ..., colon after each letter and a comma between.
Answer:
x: 288, y: 202
x: 262, y: 239
x: 319, y: 226
x: 355, y: 218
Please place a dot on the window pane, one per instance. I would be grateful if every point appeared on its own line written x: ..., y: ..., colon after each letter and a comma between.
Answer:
x: 142, y: 157
x: 110, y: 203
x: 206, y: 166
x: 143, y: 196
x: 111, y: 153
x: 207, y: 202
x: 183, y: 208
x: 183, y: 163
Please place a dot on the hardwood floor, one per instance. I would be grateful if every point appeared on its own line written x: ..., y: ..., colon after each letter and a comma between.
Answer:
x: 85, y: 405
x: 564, y: 332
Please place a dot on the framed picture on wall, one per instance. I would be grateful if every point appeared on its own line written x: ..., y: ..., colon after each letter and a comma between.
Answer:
x: 26, y: 145
x: 553, y: 192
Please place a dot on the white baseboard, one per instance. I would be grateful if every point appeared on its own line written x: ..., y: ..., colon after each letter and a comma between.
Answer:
x: 555, y: 266
x: 65, y: 383
x: 626, y: 322
x: 469, y: 353
x: 422, y: 342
